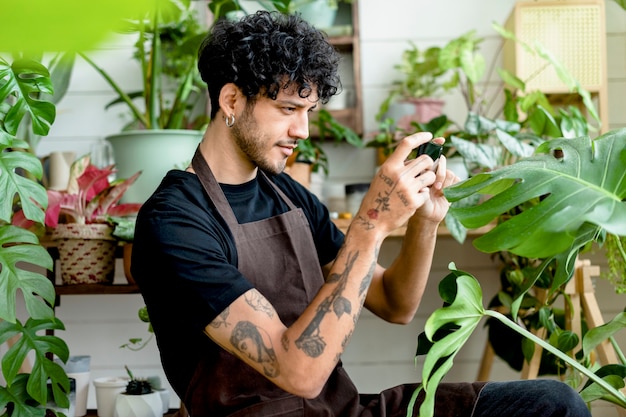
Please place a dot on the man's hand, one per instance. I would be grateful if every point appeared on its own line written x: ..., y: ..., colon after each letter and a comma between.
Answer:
x: 402, y: 187
x: 436, y: 206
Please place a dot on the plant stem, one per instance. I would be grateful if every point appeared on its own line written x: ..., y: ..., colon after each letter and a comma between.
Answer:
x: 123, y: 96
x: 619, y: 397
x: 618, y: 351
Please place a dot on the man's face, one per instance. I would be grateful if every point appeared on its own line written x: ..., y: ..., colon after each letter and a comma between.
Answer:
x: 268, y: 130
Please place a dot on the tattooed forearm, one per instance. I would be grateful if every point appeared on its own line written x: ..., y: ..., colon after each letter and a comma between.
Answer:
x: 310, y: 341
x: 362, y: 221
x: 221, y: 319
x: 365, y: 284
x: 259, y: 303
x: 247, y: 339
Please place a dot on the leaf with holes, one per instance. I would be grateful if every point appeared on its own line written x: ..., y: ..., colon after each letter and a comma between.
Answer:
x: 586, y: 186
x: 20, y: 248
x: 32, y: 195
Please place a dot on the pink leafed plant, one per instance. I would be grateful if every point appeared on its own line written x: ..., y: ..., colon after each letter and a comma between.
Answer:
x: 90, y: 197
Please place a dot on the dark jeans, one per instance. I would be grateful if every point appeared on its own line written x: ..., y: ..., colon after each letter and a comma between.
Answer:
x: 526, y: 398
x: 529, y: 398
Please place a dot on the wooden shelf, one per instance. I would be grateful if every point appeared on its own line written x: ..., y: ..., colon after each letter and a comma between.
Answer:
x: 86, y: 289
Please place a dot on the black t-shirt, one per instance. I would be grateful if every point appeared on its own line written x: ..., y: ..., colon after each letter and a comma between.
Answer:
x: 185, y: 261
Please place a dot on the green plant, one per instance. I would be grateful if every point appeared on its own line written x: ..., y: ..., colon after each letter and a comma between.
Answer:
x: 581, y: 198
x: 220, y: 8
x: 328, y: 129
x: 137, y: 343
x: 422, y: 77
x: 20, y: 81
x: 489, y: 139
x: 462, y: 56
x: 137, y: 386
x: 90, y: 197
x: 123, y: 227
x: 168, y: 39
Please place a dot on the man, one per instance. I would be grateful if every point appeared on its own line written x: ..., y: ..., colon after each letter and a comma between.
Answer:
x: 252, y: 291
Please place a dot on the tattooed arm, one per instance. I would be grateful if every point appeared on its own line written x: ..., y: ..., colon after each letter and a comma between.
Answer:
x: 395, y: 293
x: 300, y: 358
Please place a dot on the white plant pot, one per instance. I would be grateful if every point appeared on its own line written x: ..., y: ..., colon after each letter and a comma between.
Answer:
x: 146, y: 405
x: 107, y: 390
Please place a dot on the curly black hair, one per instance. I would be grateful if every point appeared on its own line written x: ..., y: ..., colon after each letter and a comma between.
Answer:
x: 265, y: 52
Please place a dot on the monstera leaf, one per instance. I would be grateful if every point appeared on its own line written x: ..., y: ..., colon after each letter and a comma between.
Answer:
x: 32, y: 195
x: 24, y: 79
x: 584, y: 186
x: 32, y: 340
x: 20, y: 248
x: 451, y: 326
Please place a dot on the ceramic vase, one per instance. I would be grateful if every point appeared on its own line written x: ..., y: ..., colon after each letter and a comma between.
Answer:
x: 154, y: 153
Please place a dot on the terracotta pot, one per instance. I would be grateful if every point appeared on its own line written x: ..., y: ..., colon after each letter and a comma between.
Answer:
x: 86, y: 253
x: 420, y: 110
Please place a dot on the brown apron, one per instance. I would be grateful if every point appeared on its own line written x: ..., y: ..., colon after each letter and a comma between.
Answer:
x: 279, y: 258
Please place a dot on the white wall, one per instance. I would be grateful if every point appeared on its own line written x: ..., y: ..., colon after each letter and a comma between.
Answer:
x: 379, y: 355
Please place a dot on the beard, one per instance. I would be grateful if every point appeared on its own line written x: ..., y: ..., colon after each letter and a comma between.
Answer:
x: 254, y: 144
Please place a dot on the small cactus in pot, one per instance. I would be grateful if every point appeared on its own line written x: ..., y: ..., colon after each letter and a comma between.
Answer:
x: 139, y: 400
x: 137, y: 386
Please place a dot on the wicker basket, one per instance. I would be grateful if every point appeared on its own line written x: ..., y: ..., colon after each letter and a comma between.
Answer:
x: 86, y: 253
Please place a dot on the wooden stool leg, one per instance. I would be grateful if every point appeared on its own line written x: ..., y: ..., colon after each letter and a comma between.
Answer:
x: 486, y: 362
x: 530, y: 370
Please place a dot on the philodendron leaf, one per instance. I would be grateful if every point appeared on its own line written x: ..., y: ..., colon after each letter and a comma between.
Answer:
x: 595, y: 392
x: 599, y: 334
x: 456, y: 321
x: 20, y: 248
x: 587, y: 185
x: 482, y: 154
x: 614, y: 375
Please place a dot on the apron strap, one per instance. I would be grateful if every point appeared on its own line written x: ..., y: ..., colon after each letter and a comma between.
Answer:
x: 212, y: 188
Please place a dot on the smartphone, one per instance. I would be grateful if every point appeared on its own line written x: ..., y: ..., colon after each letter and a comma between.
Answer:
x: 432, y: 149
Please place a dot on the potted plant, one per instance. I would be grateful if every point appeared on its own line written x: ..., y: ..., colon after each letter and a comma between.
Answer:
x: 139, y: 399
x: 493, y: 138
x: 79, y: 217
x: 577, y: 195
x: 416, y: 96
x: 320, y: 13
x: 167, y: 125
